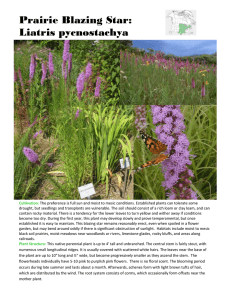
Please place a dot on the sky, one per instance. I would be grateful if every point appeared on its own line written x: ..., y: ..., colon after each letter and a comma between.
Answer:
x: 179, y: 47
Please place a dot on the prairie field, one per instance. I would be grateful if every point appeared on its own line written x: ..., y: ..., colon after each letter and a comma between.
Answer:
x: 153, y: 79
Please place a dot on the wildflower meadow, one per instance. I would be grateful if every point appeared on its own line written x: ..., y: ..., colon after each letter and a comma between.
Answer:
x: 69, y: 128
x: 162, y: 80
x: 188, y: 167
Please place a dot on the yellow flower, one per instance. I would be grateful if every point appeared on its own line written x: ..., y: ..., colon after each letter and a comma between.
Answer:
x: 147, y: 63
x: 202, y: 74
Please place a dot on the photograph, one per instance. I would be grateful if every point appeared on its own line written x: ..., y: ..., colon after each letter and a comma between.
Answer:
x: 180, y: 72
x: 69, y: 130
x: 175, y: 152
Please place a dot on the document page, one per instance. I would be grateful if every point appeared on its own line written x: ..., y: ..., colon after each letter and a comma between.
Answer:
x: 115, y: 151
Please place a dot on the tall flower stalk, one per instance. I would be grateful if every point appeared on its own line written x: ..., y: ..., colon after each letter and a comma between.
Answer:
x: 15, y: 76
x: 44, y: 72
x: 203, y: 89
x: 175, y: 168
x: 97, y: 88
x: 50, y: 64
x: 80, y: 84
x: 193, y: 83
x: 20, y: 78
x: 32, y: 67
x: 88, y: 71
x: 66, y: 50
x: 65, y: 55
x: 70, y: 63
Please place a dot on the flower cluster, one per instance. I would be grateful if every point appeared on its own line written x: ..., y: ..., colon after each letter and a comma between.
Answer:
x: 80, y: 84
x: 203, y: 89
x: 15, y: 76
x: 88, y: 71
x: 193, y: 83
x: 31, y: 155
x: 66, y: 50
x: 77, y: 113
x: 44, y: 72
x: 20, y: 77
x: 140, y: 120
x: 97, y: 88
x: 32, y: 67
x: 36, y: 134
x: 66, y: 57
x: 170, y: 132
x: 70, y: 63
x: 50, y: 64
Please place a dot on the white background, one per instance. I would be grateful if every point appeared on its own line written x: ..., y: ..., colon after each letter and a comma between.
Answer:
x: 148, y: 22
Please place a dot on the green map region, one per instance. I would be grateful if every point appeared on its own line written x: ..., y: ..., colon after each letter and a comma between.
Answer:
x: 182, y: 28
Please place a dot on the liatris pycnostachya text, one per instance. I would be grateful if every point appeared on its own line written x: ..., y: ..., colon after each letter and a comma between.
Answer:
x: 175, y: 168
x: 140, y: 121
x: 80, y: 84
x: 50, y: 64
x: 44, y: 72
x: 32, y: 67
x: 97, y: 88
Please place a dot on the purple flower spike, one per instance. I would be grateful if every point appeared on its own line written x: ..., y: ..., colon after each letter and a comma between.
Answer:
x: 50, y: 64
x: 193, y: 83
x: 65, y: 75
x: 175, y: 168
x: 15, y: 76
x: 50, y: 164
x: 80, y: 84
x: 31, y: 155
x: 97, y: 88
x: 203, y: 89
x: 88, y: 71
x: 35, y: 121
x: 44, y: 72
x: 20, y: 77
x: 140, y: 121
x: 32, y: 67
x: 70, y: 63
x: 36, y: 134
x: 66, y: 50
x: 77, y: 113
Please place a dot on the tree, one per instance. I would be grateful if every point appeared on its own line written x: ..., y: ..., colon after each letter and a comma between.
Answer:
x: 125, y: 44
